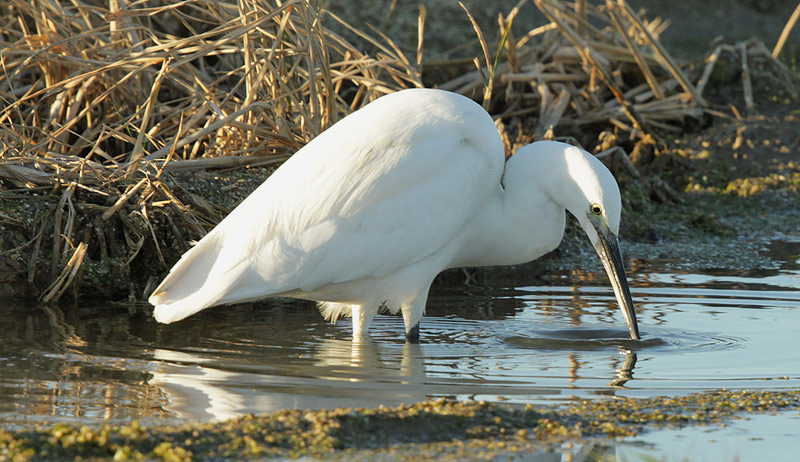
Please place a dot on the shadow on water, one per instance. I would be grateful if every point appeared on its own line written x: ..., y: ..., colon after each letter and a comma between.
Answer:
x: 587, y: 339
x: 580, y: 339
x: 523, y: 344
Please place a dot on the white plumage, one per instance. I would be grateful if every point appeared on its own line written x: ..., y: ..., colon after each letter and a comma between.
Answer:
x: 370, y: 211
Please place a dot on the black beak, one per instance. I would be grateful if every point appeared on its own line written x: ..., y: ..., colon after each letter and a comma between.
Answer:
x: 608, y: 249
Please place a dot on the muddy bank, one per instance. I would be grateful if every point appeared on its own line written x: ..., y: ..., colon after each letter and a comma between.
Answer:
x: 438, y: 428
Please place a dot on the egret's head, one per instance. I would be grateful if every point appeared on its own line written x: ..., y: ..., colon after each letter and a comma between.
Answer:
x: 580, y: 183
x: 593, y: 193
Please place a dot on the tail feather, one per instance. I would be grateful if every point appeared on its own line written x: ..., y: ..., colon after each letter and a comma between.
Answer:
x: 199, y: 280
x: 332, y: 311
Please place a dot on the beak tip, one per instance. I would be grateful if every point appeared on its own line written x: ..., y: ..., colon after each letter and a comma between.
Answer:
x: 634, y: 330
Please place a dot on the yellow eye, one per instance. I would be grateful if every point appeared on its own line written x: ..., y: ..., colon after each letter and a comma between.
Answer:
x: 596, y: 209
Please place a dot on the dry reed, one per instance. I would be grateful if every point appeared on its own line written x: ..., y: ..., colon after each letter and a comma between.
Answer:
x: 98, y: 101
x: 598, y: 64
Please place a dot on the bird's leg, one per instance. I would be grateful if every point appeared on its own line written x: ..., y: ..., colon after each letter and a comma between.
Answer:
x: 362, y: 317
x: 412, y: 314
x: 412, y: 336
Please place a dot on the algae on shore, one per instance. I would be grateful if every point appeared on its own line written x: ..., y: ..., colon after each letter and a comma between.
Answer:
x: 434, y: 427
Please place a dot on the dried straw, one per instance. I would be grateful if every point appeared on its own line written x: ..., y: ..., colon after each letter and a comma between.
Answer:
x: 786, y: 30
x: 581, y: 57
x: 100, y: 99
x: 94, y: 85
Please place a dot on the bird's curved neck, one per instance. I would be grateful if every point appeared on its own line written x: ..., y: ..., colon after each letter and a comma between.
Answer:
x: 517, y: 227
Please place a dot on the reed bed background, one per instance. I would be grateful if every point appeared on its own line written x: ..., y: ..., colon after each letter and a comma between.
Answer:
x: 111, y: 116
x: 604, y: 64
x: 100, y: 101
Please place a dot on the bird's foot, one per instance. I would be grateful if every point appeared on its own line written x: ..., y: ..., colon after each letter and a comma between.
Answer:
x: 412, y: 336
x: 362, y: 339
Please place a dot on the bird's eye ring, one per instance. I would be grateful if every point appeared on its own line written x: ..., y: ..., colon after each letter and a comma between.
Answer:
x: 596, y: 209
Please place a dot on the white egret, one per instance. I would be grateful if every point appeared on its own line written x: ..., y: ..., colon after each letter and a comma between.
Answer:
x: 368, y: 213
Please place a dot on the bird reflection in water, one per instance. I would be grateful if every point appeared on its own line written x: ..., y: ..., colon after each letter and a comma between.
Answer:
x: 339, y: 374
x: 625, y: 372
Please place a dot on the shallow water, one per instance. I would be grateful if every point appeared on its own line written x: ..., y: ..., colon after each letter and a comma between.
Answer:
x: 524, y: 343
x: 761, y: 437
